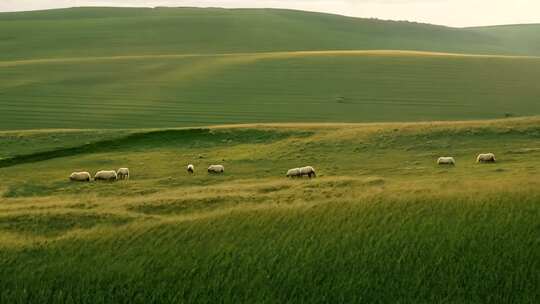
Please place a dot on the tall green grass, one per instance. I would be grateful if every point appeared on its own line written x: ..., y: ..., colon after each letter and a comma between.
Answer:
x: 412, y: 249
x: 382, y: 223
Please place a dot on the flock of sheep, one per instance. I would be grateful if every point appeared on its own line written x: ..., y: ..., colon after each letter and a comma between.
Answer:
x: 104, y: 175
x: 123, y: 173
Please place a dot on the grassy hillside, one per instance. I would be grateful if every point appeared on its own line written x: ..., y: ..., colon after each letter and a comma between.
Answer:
x: 82, y: 32
x: 381, y: 223
x: 172, y: 67
x: 522, y: 36
x: 171, y: 91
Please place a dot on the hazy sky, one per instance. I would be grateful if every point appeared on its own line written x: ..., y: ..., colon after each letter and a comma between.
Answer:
x: 445, y: 12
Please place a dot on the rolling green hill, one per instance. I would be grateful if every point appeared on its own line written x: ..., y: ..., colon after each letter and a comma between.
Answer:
x: 170, y: 67
x: 82, y: 32
x: 522, y: 37
x: 170, y: 91
x: 380, y: 224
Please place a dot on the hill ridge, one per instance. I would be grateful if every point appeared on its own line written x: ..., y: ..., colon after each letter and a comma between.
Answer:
x: 261, y: 55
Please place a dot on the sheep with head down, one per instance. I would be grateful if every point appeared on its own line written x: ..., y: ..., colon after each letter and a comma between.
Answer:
x: 292, y: 173
x: 80, y: 177
x: 106, y: 176
x: 309, y: 171
x: 300, y: 172
x: 486, y: 158
x: 446, y: 161
x: 190, y: 169
x: 122, y: 173
x: 216, y: 169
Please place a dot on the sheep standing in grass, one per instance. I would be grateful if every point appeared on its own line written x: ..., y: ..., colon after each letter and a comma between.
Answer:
x: 292, y: 173
x: 309, y: 171
x: 106, y: 176
x: 486, y: 158
x: 190, y: 169
x: 123, y: 173
x: 450, y: 161
x: 216, y: 169
x: 80, y: 177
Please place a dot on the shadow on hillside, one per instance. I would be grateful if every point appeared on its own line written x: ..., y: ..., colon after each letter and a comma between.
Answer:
x: 185, y: 138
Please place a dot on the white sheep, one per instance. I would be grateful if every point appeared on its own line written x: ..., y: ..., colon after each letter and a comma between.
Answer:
x: 190, y: 168
x: 106, y: 176
x: 80, y: 177
x: 309, y: 171
x: 293, y: 173
x: 122, y: 173
x: 446, y: 161
x: 486, y: 158
x: 218, y: 169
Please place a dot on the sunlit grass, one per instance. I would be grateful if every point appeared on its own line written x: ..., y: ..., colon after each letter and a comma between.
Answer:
x: 381, y: 223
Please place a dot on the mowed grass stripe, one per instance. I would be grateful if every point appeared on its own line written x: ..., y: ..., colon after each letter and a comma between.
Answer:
x: 162, y: 104
x: 127, y: 110
x: 112, y: 120
x: 202, y: 117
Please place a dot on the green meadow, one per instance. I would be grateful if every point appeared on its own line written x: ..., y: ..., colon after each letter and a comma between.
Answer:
x: 172, y: 91
x: 381, y: 222
x: 163, y: 68
x: 370, y: 104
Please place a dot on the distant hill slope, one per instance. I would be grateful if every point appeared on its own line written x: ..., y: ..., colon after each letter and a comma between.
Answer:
x: 331, y: 86
x: 81, y: 32
x: 523, y: 38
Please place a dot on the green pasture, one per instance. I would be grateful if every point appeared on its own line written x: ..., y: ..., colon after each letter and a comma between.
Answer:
x: 180, y: 91
x: 381, y: 223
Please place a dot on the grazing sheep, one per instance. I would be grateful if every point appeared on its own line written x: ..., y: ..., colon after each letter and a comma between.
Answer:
x: 309, y: 171
x: 106, y: 176
x: 218, y: 169
x: 123, y: 173
x: 292, y: 173
x: 190, y: 169
x: 80, y: 177
x: 486, y: 158
x: 446, y: 161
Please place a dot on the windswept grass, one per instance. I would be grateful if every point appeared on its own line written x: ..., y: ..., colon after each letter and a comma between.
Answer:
x: 55, y: 224
x: 382, y: 223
